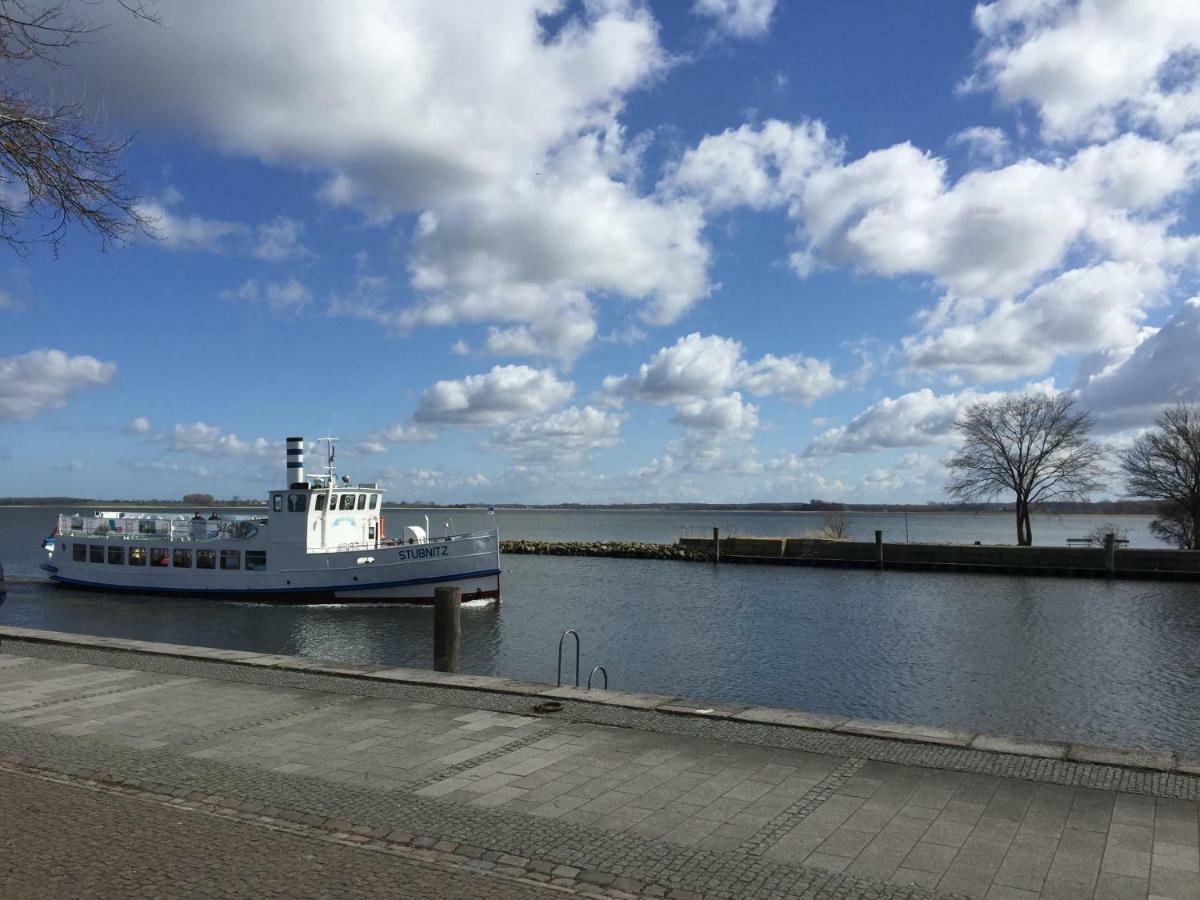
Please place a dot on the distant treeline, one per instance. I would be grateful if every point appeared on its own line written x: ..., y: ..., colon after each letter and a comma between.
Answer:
x: 1099, y: 507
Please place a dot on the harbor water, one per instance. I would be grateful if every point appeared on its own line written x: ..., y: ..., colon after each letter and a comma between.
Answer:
x: 1087, y: 660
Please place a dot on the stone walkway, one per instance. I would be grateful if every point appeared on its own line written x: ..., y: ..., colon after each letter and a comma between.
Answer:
x: 676, y: 806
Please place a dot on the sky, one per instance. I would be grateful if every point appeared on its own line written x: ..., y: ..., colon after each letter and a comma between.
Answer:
x: 607, y: 250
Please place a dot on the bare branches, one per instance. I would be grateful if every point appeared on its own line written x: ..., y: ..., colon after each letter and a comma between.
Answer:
x: 55, y: 166
x: 1033, y: 445
x: 1164, y: 464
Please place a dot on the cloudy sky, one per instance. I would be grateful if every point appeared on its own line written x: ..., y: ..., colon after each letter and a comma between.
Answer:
x: 610, y: 250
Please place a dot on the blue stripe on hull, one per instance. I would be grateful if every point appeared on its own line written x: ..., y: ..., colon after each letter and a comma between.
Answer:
x: 276, y: 592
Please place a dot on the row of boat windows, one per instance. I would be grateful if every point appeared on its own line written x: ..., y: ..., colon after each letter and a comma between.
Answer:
x: 299, y: 502
x: 230, y: 560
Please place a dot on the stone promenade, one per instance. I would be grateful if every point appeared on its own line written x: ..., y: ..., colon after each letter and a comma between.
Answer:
x: 254, y: 779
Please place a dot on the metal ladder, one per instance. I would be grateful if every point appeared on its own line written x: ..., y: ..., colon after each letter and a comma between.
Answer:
x: 578, y: 651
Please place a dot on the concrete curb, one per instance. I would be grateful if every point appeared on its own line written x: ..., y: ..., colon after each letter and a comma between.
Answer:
x: 1126, y: 758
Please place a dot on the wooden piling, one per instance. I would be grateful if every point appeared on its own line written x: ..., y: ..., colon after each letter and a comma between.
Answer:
x: 447, y: 628
x: 1110, y: 554
x: 716, y: 545
x: 879, y: 547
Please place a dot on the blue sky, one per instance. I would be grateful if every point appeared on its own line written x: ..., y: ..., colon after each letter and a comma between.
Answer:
x: 722, y: 250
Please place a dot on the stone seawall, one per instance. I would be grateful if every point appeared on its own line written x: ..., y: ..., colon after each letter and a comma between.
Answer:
x: 1075, y: 562
x: 623, y: 549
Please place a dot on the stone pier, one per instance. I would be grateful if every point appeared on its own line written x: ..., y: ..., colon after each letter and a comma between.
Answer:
x: 139, y: 769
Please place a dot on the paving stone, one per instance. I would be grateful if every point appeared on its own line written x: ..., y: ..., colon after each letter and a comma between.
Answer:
x: 770, y: 796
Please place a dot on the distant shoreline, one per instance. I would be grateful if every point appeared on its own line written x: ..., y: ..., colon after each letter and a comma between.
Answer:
x: 922, y: 511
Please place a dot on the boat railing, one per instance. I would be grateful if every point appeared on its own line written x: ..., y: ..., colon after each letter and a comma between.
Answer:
x: 159, y: 528
x: 450, y: 538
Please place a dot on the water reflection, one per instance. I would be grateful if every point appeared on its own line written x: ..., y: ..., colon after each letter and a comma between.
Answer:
x: 1094, y: 661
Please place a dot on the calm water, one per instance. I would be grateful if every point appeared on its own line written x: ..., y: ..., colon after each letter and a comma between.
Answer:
x: 1115, y: 663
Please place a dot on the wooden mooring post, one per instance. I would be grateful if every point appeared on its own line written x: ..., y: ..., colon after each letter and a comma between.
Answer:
x: 717, y: 545
x: 447, y: 628
x: 1110, y: 554
x: 879, y: 548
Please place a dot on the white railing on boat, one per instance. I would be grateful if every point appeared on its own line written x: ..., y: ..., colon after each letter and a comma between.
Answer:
x: 158, y: 528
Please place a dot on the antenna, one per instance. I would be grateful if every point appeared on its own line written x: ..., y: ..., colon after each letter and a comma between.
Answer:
x: 330, y: 453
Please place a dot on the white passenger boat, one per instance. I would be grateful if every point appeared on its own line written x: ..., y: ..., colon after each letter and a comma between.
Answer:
x: 320, y: 540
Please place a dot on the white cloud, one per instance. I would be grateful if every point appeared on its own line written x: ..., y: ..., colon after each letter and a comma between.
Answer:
x: 279, y: 240
x: 984, y: 145
x: 916, y: 419
x: 756, y: 167
x: 694, y: 366
x: 495, y: 398
x: 572, y: 433
x: 439, y: 482
x: 203, y: 439
x: 727, y: 415
x: 700, y: 366
x: 398, y: 433
x: 370, y: 446
x: 1091, y: 66
x: 913, y: 474
x: 138, y: 425
x: 176, y: 231
x: 1092, y: 310
x: 799, y: 378
x: 42, y: 380
x: 280, y: 297
x: 1162, y: 370
x: 502, y: 134
x: 740, y: 18
x: 990, y: 234
x: 169, y: 466
x: 563, y: 332
x: 571, y: 229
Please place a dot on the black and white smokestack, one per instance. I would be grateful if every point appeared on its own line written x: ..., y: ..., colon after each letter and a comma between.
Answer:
x: 295, y: 461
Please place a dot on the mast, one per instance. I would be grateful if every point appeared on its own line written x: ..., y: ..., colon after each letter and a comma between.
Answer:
x: 329, y: 481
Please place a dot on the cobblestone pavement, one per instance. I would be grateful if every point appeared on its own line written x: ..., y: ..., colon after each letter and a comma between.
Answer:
x: 620, y: 809
x: 58, y: 840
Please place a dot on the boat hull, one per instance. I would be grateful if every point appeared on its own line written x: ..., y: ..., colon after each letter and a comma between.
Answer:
x: 381, y: 574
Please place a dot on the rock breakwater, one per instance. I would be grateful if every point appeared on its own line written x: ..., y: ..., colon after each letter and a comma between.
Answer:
x: 624, y: 549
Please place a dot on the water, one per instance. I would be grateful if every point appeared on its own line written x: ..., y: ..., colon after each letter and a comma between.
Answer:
x: 1112, y: 663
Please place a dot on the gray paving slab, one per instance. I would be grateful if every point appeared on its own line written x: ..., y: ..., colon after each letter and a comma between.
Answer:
x: 641, y: 801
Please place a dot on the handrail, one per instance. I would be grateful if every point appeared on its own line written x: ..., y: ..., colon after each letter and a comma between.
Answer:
x: 578, y: 650
x: 594, y: 671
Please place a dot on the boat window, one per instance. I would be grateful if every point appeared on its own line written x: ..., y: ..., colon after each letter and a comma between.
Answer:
x: 137, y: 556
x: 278, y: 503
x: 320, y: 505
x: 182, y: 559
x: 256, y: 560
x: 206, y: 559
x: 79, y: 552
x: 374, y: 500
x: 146, y: 526
x: 347, y: 501
x: 362, y: 501
x: 159, y: 557
x: 297, y: 502
x: 116, y: 556
x: 231, y: 559
x: 96, y: 553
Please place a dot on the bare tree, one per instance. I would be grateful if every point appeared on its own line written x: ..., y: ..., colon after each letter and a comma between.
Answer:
x: 1164, y: 465
x: 834, y: 527
x: 1101, y: 532
x: 1033, y: 445
x: 55, y: 165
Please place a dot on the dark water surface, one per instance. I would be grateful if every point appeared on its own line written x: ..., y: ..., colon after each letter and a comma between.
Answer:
x: 1113, y: 663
